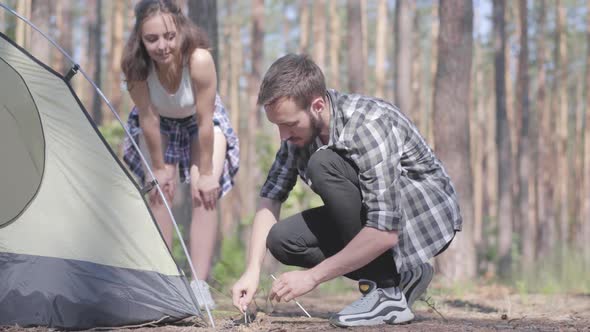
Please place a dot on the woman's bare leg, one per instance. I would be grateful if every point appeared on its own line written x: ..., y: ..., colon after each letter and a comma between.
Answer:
x: 203, y: 234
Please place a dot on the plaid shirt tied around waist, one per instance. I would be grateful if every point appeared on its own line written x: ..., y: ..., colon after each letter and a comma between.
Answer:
x: 403, y: 185
x: 179, y: 133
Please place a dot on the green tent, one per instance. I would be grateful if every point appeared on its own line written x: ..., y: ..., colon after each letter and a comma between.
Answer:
x: 79, y: 247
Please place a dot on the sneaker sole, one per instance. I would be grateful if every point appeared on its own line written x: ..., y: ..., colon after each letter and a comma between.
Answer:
x: 392, y: 318
x: 417, y: 284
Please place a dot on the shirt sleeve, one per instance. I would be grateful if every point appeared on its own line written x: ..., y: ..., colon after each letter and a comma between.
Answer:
x: 376, y: 147
x: 282, y: 175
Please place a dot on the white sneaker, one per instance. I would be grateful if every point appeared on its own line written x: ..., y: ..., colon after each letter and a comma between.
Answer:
x: 202, y: 294
x: 375, y: 307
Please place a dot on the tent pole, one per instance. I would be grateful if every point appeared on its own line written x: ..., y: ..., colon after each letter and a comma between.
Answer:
x: 100, y: 93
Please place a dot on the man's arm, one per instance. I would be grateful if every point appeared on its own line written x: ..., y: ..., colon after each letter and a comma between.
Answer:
x: 266, y: 216
x: 367, y: 245
x: 281, y: 179
x: 245, y: 288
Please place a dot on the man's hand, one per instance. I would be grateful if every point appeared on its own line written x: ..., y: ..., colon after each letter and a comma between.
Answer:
x: 291, y: 285
x: 244, y: 290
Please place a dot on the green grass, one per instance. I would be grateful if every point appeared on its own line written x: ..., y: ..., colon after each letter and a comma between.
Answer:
x: 563, y: 272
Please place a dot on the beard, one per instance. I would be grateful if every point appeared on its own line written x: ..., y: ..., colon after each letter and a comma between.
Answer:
x: 315, y: 127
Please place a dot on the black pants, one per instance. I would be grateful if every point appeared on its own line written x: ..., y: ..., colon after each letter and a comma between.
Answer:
x: 307, y: 238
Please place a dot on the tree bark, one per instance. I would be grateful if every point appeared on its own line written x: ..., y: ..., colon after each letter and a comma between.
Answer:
x: 477, y: 134
x: 204, y: 14
x: 63, y: 24
x: 23, y: 31
x: 254, y: 79
x: 585, y: 233
x: 234, y: 200
x: 95, y: 35
x: 117, y: 43
x: 416, y: 75
x: 546, y: 236
x: 356, y: 67
x: 41, y: 12
x: 524, y: 152
x: 381, y: 48
x: 319, y: 32
x: 503, y: 144
x: 451, y: 113
x: 404, y: 20
x: 429, y: 134
x: 2, y: 21
x: 303, y: 26
x: 365, y: 43
x: 334, y: 76
x: 562, y: 123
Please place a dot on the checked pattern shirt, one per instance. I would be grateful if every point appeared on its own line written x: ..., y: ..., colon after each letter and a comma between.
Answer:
x: 403, y: 185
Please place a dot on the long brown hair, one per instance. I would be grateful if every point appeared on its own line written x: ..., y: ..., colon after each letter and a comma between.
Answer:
x: 135, y: 62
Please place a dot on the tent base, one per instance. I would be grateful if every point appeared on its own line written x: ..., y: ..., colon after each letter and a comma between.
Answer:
x: 71, y: 294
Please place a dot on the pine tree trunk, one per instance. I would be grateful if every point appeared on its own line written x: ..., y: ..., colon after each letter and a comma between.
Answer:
x: 95, y: 35
x: 429, y: 134
x: 404, y: 17
x: 356, y: 71
x: 254, y: 79
x: 335, y: 35
x: 416, y: 75
x: 289, y: 47
x: 585, y: 233
x: 303, y: 26
x: 451, y: 113
x: 204, y: 14
x: 562, y: 123
x: 234, y: 199
x: 2, y: 20
x: 365, y: 43
x: 41, y: 12
x: 503, y: 144
x: 477, y: 132
x: 524, y: 152
x: 319, y: 32
x: 23, y: 31
x: 380, y: 49
x: 546, y: 237
x: 117, y: 43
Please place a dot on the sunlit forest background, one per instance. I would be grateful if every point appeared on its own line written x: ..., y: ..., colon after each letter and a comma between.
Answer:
x: 498, y: 88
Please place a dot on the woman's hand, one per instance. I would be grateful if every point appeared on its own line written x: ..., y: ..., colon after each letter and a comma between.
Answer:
x: 166, y: 178
x: 204, y: 188
x: 208, y: 187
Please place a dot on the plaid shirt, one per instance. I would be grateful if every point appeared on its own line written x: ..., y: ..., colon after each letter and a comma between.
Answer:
x: 404, y: 186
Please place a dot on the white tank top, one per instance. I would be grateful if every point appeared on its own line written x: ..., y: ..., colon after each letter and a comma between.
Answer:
x: 177, y: 105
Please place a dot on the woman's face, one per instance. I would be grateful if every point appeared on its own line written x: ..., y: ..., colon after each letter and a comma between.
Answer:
x: 160, y: 38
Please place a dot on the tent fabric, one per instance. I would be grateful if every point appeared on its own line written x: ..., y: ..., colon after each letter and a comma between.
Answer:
x: 68, y: 204
x: 69, y: 294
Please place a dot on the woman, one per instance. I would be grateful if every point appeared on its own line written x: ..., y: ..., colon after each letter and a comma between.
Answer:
x: 171, y: 78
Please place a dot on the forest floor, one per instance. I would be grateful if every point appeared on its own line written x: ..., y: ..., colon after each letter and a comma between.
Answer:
x: 479, y: 308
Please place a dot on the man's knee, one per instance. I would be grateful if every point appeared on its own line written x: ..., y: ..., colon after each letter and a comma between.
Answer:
x: 276, y: 242
x: 322, y: 163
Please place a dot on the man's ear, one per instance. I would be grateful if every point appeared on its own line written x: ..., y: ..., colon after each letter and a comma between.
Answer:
x: 318, y: 104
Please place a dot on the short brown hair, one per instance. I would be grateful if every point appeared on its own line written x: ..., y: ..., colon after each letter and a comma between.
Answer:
x: 293, y: 76
x: 136, y: 61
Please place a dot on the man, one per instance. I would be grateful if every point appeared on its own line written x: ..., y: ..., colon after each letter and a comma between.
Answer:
x: 388, y: 206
